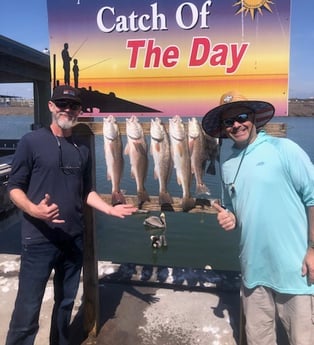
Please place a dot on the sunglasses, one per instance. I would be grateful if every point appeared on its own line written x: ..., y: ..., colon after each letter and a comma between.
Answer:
x: 67, y: 104
x: 229, y: 122
x: 72, y: 168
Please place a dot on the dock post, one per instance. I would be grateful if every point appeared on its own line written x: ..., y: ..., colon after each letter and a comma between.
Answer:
x: 90, y: 264
x: 42, y: 94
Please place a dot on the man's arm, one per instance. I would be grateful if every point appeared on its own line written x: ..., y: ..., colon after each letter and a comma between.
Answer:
x: 308, y: 262
x: 45, y: 210
x: 94, y: 200
x: 226, y: 219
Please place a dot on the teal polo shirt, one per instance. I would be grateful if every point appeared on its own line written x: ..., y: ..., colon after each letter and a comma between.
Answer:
x: 273, y: 188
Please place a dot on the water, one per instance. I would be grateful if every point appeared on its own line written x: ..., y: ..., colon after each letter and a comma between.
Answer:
x: 194, y: 240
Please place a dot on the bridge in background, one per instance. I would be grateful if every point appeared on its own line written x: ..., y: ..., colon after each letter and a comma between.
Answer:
x: 22, y: 64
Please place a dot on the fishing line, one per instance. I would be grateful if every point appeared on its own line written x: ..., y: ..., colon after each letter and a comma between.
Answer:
x: 79, y: 48
x: 222, y: 189
x: 232, y: 184
x: 97, y: 63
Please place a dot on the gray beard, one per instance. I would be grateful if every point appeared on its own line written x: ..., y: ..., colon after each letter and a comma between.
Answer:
x: 66, y: 123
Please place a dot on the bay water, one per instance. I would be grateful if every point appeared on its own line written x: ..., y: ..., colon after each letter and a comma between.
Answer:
x: 194, y: 240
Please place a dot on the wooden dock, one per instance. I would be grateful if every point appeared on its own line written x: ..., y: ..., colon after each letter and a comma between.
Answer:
x: 201, y: 205
x: 90, y: 277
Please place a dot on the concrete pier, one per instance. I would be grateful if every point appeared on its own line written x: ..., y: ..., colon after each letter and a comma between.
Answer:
x: 134, y: 312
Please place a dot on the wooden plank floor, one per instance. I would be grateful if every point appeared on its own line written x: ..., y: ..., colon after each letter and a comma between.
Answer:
x: 201, y: 205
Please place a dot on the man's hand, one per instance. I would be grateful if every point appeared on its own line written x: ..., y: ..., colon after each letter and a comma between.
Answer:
x: 225, y: 218
x: 48, y: 211
x: 308, y: 266
x: 122, y: 210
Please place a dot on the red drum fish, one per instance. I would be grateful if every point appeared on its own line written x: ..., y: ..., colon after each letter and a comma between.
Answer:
x: 198, y: 154
x: 160, y: 151
x: 181, y: 159
x: 137, y: 150
x: 114, y: 157
x: 212, y: 148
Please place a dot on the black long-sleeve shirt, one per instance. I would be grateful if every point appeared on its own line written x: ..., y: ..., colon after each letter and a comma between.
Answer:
x: 60, y: 167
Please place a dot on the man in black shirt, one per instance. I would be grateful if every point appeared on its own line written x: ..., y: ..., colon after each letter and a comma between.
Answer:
x: 50, y: 181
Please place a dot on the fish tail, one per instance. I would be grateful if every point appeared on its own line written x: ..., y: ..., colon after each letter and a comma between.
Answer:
x: 165, y: 198
x: 117, y: 198
x: 187, y: 204
x: 142, y: 196
x: 201, y: 188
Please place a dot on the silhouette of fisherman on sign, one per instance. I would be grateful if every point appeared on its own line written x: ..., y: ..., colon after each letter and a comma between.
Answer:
x: 66, y: 63
x: 75, y: 70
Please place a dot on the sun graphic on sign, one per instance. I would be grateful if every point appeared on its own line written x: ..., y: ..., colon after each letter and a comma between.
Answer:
x: 253, y: 6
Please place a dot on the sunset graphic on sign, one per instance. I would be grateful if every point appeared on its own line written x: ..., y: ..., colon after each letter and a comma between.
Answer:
x: 253, y: 6
x: 176, y: 57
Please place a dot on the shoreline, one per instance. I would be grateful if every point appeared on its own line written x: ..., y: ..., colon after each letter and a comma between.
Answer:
x: 7, y: 111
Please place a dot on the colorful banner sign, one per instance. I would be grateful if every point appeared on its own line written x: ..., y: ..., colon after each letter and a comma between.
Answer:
x: 170, y: 57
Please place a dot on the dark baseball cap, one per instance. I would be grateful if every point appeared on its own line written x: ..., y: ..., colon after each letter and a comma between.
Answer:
x: 67, y: 93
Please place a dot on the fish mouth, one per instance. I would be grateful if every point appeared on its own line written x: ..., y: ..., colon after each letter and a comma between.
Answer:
x: 111, y: 137
x: 156, y: 120
x: 193, y: 132
x: 157, y: 131
x: 134, y: 137
x: 177, y: 136
x: 110, y: 118
x: 193, y: 136
x: 159, y: 139
x: 156, y: 134
x: 111, y: 132
x: 175, y: 128
x: 133, y: 131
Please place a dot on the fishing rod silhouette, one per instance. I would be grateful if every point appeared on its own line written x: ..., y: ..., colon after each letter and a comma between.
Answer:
x: 95, y: 64
x: 75, y: 68
x: 79, y: 48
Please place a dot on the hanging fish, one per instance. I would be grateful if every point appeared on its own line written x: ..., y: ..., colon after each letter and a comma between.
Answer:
x: 181, y: 159
x: 136, y: 148
x: 160, y: 150
x: 198, y: 154
x: 212, y: 149
x: 114, y: 157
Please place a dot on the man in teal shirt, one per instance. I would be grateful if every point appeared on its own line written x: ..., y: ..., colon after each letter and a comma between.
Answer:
x: 268, y: 188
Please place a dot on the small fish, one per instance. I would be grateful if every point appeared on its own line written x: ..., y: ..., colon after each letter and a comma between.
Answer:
x: 114, y: 157
x: 160, y: 150
x: 137, y: 149
x: 198, y: 154
x: 181, y: 159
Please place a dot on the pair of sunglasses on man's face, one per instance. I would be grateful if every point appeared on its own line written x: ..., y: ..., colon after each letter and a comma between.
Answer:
x: 241, y: 118
x: 67, y: 104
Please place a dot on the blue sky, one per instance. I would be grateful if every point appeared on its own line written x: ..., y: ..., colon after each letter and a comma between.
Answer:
x: 27, y: 23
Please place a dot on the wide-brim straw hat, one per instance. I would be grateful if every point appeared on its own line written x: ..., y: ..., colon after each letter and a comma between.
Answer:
x: 211, y: 122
